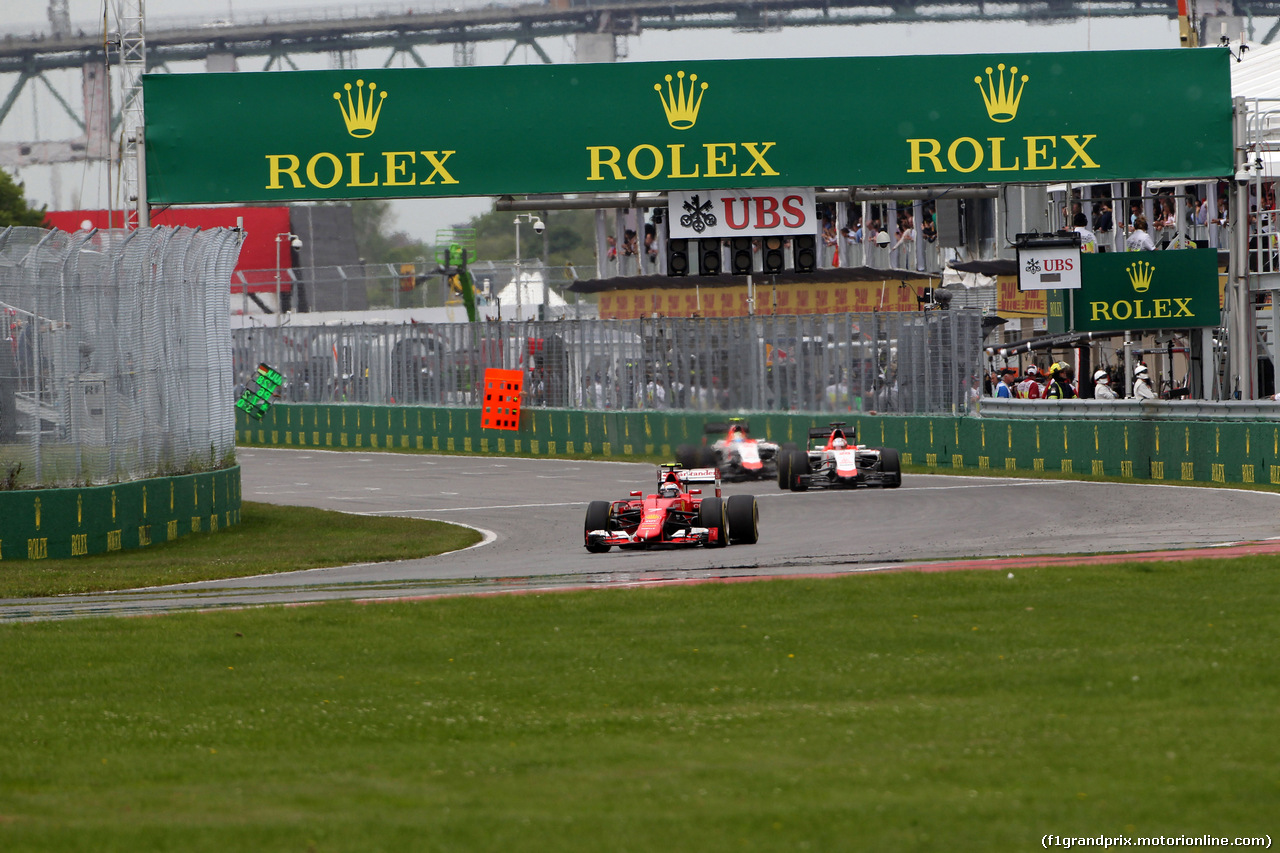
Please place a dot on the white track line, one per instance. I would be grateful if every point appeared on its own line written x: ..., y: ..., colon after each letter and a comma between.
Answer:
x: 469, y: 508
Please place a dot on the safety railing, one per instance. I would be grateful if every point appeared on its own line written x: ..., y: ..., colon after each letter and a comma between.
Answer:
x: 1173, y: 410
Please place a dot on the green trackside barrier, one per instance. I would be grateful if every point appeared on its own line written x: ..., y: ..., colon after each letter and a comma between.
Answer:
x: 37, y: 524
x: 1164, y: 450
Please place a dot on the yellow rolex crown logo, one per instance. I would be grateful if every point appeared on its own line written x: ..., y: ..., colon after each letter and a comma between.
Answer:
x: 1001, y: 98
x: 362, y: 116
x: 1140, y: 273
x: 681, y: 107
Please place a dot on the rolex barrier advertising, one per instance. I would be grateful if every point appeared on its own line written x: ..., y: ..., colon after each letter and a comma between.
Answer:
x: 55, y: 523
x: 690, y: 125
x: 1147, y: 290
x: 1167, y: 450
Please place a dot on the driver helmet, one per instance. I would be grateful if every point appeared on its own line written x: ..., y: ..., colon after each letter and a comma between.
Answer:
x: 839, y: 443
x: 669, y: 490
x: 1101, y: 376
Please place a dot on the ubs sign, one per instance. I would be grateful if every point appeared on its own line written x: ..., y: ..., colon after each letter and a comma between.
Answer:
x: 730, y: 213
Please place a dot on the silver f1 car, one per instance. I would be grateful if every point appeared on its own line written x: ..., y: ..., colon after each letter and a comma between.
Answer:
x: 834, y: 461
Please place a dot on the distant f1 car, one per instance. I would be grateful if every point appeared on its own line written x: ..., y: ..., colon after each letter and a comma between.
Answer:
x: 834, y: 461
x: 676, y: 515
x: 734, y: 453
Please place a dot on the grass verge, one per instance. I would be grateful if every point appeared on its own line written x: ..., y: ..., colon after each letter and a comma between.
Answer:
x: 269, y: 539
x: 966, y: 711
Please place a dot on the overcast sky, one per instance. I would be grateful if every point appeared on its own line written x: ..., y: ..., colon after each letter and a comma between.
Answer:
x: 84, y: 186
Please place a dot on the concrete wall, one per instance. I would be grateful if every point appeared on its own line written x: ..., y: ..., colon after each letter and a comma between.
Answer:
x: 40, y: 524
x: 1169, y: 450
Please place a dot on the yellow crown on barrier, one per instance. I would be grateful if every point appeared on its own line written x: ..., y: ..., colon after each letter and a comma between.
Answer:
x: 362, y: 116
x: 1140, y: 273
x: 1001, y: 99
x: 681, y: 108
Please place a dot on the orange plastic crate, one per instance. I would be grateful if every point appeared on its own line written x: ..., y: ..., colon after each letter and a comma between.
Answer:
x: 501, y: 409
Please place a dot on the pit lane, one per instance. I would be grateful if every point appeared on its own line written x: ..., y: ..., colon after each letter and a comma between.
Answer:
x: 532, y: 512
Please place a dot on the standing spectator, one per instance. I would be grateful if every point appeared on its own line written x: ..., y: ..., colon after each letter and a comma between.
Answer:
x: 828, y: 232
x: 1140, y: 240
x: 1102, y: 389
x: 1006, y: 390
x: 906, y: 231
x: 974, y: 394
x: 1029, y: 387
x: 1103, y: 225
x: 1202, y: 212
x: 830, y: 245
x: 1088, y: 241
x: 838, y: 392
x: 1167, y: 222
x: 1060, y: 376
x: 1142, y: 384
x: 1069, y: 213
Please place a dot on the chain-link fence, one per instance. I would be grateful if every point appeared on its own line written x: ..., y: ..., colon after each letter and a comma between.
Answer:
x: 890, y: 362
x: 417, y: 284
x: 115, y: 354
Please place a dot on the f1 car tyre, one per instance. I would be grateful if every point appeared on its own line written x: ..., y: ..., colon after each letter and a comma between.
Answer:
x: 711, y: 516
x: 687, y: 456
x: 784, y: 469
x: 744, y: 520
x: 788, y: 445
x: 707, y: 457
x: 799, y: 471
x: 597, y: 519
x: 891, y: 468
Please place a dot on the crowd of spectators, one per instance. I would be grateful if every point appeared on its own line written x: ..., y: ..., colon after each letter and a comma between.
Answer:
x: 1058, y: 382
x: 1140, y: 231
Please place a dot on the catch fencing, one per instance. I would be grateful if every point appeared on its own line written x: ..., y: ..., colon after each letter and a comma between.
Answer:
x: 419, y: 284
x: 924, y: 362
x: 115, y: 354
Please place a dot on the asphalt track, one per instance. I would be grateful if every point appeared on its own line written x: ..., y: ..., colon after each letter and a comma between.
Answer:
x: 531, y: 512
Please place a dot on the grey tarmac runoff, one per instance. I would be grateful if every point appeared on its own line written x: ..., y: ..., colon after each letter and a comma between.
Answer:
x: 531, y: 513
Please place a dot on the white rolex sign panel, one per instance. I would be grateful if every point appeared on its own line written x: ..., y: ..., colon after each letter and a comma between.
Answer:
x: 733, y: 213
x: 1049, y: 268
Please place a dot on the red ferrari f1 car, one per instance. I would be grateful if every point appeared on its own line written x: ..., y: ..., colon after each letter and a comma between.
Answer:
x: 676, y: 515
x: 834, y: 461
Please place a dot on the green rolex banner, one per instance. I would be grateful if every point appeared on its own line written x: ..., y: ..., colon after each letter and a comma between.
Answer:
x: 688, y: 125
x: 1176, y: 289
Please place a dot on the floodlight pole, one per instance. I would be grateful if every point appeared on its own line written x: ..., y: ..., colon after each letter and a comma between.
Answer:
x: 294, y: 242
x: 536, y: 221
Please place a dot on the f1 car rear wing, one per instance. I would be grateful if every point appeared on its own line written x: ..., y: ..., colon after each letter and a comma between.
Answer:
x: 691, y: 475
x: 722, y: 427
x: 825, y: 432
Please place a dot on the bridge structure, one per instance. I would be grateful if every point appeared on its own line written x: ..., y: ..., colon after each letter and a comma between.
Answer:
x: 599, y: 29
